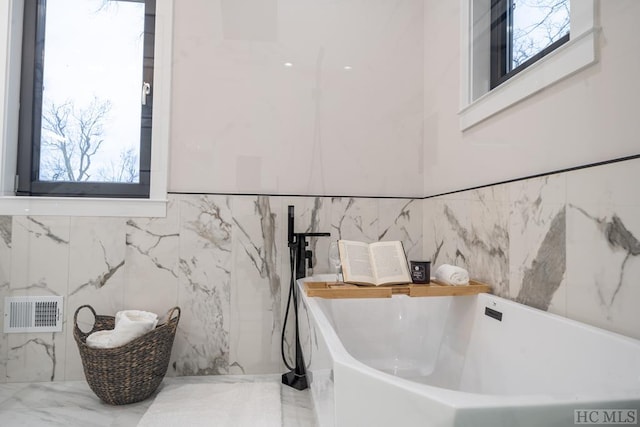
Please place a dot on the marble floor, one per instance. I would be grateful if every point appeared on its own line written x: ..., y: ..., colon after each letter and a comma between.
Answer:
x: 72, y: 403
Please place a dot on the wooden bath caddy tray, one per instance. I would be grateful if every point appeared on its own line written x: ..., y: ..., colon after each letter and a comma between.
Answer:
x: 433, y: 289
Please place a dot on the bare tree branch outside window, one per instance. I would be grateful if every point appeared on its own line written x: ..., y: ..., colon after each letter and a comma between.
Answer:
x: 126, y: 170
x: 72, y: 136
x: 536, y: 25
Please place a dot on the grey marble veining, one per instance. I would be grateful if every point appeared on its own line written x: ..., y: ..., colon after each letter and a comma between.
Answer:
x: 102, y: 278
x: 263, y: 254
x: 148, y: 241
x: 40, y: 229
x: 97, y: 250
x: 354, y: 219
x: 603, y: 224
x: 315, y: 221
x: 547, y: 270
x: 404, y: 216
x: 537, y: 212
x: 312, y: 215
x: 316, y: 224
x: 256, y: 292
x: 48, y: 347
x: 5, y: 230
x: 401, y: 219
x: 619, y: 238
x: 72, y: 403
x: 202, y: 344
x: 5, y: 281
x: 40, y: 245
x: 568, y: 243
x: 510, y: 236
x: 47, y: 350
x: 5, y: 253
x: 473, y: 233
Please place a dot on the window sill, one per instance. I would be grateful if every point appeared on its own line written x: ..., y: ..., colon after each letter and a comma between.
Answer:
x: 565, y: 61
x: 69, y: 206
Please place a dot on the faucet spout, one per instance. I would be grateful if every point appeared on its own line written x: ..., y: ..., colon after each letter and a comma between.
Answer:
x: 304, y: 256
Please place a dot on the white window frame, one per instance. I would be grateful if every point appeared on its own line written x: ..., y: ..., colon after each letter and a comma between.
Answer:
x: 578, y: 53
x: 11, y: 12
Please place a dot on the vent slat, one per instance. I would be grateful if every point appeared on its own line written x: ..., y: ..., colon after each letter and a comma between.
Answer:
x: 33, y: 314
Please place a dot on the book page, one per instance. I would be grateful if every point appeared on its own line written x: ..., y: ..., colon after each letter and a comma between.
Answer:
x: 356, y: 267
x: 389, y: 263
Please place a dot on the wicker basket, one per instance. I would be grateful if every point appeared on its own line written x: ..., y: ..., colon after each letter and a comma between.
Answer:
x: 129, y: 373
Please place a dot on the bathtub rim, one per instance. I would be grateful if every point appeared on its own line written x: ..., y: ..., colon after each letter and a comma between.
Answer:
x: 455, y: 398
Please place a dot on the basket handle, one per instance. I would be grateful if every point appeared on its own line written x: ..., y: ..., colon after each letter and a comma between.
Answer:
x: 171, y: 312
x: 170, y: 317
x: 75, y: 316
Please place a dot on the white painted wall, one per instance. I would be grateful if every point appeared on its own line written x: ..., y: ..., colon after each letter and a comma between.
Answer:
x: 243, y: 122
x: 589, y: 117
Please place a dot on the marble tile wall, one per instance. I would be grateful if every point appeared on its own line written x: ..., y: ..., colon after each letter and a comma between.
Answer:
x: 568, y: 243
x: 222, y: 259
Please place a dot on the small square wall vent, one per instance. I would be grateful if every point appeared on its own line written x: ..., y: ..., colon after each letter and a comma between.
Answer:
x: 33, y: 314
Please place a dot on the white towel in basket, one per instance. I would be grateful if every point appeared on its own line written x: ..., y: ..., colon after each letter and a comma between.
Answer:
x: 129, y: 325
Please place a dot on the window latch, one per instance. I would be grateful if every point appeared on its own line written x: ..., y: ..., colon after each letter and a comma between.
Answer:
x: 146, y: 90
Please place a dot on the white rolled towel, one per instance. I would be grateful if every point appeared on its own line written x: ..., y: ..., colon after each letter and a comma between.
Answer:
x: 452, y: 275
x: 100, y: 339
x: 129, y: 325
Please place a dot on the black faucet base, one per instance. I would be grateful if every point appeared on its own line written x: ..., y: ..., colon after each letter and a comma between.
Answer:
x: 297, y: 381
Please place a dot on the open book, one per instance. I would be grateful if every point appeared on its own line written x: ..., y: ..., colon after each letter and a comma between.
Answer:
x: 374, y: 264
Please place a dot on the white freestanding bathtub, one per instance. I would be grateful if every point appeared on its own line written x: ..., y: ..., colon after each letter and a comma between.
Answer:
x: 462, y: 361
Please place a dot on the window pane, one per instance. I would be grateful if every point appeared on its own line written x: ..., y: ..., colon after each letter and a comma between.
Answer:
x: 536, y: 25
x: 92, y: 79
